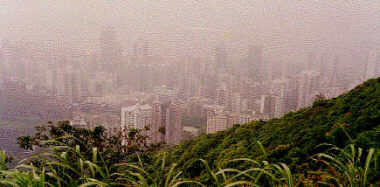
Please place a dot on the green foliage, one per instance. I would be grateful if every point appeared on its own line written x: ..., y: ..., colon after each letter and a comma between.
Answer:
x: 348, y: 167
x: 291, y: 139
x: 67, y: 166
x: 114, y: 148
x: 345, y: 167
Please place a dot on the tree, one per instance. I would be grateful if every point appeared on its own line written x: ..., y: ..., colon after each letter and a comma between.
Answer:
x: 113, y: 149
x: 162, y: 130
x: 320, y: 100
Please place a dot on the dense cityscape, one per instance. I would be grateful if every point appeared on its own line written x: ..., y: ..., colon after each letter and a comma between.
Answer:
x: 189, y: 93
x: 183, y: 95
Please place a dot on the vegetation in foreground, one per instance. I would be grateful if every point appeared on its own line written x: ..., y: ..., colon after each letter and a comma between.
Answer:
x: 278, y: 152
x: 60, y: 165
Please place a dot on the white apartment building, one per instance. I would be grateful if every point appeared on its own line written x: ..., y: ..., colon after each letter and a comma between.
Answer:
x: 136, y: 116
x: 309, y: 82
x: 80, y: 122
x: 216, y: 121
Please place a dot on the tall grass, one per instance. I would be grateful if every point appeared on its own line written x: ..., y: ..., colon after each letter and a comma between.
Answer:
x: 66, y: 166
x: 272, y: 174
x: 348, y: 167
x: 161, y: 176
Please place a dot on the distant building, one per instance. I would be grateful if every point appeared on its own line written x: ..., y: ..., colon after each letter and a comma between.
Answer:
x: 286, y: 92
x: 166, y: 123
x: 372, y: 69
x: 135, y: 117
x: 220, y: 56
x: 311, y: 61
x: 218, y: 120
x: 79, y: 122
x: 140, y: 52
x: 308, y: 88
x: 239, y: 103
x: 209, y: 85
x: 64, y: 85
x: 110, y: 49
x: 255, y: 61
x: 192, y: 130
x: 268, y: 105
x: 239, y: 119
x: 173, y: 128
x: 224, y: 96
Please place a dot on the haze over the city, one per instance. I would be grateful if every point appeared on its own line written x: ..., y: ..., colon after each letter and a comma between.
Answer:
x: 183, y: 68
x: 189, y: 92
x: 286, y: 29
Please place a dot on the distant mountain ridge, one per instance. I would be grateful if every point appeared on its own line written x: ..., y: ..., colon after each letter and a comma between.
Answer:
x: 353, y: 117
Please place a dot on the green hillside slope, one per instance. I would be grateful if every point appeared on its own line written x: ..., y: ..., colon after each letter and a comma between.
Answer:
x: 292, y: 139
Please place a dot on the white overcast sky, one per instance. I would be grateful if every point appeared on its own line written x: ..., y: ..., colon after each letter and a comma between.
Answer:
x: 285, y: 28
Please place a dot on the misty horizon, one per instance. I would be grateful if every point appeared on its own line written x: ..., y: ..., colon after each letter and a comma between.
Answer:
x: 288, y: 31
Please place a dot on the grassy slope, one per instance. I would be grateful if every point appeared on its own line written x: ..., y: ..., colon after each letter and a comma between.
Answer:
x: 293, y: 138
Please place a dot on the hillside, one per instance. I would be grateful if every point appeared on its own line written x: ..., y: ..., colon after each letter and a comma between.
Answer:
x: 291, y: 139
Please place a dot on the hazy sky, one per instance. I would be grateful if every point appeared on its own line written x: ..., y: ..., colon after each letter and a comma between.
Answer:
x: 285, y: 28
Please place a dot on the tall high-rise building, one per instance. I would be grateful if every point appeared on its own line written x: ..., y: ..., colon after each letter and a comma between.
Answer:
x: 310, y: 61
x: 2, y: 60
x: 268, y: 104
x: 51, y: 75
x: 140, y: 52
x: 334, y: 73
x: 173, y: 128
x: 158, y: 121
x: 220, y: 56
x: 135, y: 117
x: 209, y: 86
x: 239, y: 103
x: 255, y: 62
x: 286, y: 91
x: 216, y: 121
x: 308, y: 88
x: 64, y: 85
x: 166, y: 123
x: 372, y: 68
x: 323, y: 70
x: 110, y: 49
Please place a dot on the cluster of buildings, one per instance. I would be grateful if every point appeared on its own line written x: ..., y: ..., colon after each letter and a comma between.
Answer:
x: 142, y: 90
x: 161, y: 121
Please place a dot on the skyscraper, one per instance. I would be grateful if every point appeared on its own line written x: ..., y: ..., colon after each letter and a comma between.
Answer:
x: 268, y: 104
x: 372, y: 68
x: 310, y: 61
x: 334, y: 73
x: 220, y: 56
x: 255, y: 62
x: 140, y: 52
x: 323, y: 70
x: 166, y: 123
x: 173, y: 128
x: 110, y: 49
x: 135, y: 117
x: 308, y: 88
